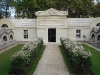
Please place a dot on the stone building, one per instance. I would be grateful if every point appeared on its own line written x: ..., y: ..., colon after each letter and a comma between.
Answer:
x: 51, y: 25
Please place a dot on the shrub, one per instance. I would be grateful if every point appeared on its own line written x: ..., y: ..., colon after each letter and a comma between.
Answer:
x: 80, y: 59
x: 21, y: 60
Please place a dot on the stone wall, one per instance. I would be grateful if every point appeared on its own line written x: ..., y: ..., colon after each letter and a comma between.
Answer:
x: 79, y: 22
x: 24, y: 23
x: 65, y: 27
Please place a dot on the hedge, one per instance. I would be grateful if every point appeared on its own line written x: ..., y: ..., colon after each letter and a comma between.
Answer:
x: 79, y: 58
x: 21, y: 60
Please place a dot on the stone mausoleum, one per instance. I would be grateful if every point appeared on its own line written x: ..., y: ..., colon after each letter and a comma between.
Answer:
x: 51, y: 25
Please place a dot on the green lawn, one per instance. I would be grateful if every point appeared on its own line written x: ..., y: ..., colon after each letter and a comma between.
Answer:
x: 95, y: 68
x: 66, y: 60
x: 35, y: 63
x: 95, y: 60
x: 6, y: 56
x: 5, y: 59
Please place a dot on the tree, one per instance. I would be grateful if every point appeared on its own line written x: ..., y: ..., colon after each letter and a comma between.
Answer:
x: 1, y: 15
x: 76, y: 8
x: 97, y: 11
x: 80, y: 8
x: 5, y: 4
x: 84, y: 37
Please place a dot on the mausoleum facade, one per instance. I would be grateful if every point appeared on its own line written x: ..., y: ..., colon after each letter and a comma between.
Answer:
x: 51, y: 25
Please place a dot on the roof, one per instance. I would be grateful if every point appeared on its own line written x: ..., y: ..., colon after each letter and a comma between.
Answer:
x: 7, y: 31
x: 95, y: 30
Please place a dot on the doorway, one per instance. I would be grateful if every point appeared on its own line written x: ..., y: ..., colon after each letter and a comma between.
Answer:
x: 52, y: 35
x: 98, y: 38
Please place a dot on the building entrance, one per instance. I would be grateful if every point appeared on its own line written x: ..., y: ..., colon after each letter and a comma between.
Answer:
x: 52, y: 35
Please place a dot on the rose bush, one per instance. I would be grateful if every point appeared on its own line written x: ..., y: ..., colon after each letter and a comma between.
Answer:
x: 80, y: 59
x: 21, y: 60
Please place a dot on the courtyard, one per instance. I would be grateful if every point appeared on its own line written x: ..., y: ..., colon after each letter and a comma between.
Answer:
x: 47, y: 37
x: 31, y: 57
x: 53, y: 61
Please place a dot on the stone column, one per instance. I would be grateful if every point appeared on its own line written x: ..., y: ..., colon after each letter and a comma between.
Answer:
x: 96, y: 40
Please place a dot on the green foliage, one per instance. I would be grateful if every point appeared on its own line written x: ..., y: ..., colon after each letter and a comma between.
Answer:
x: 95, y: 58
x: 84, y: 36
x: 80, y: 8
x: 79, y: 58
x: 16, y: 65
x: 66, y: 60
x: 6, y: 4
x: 36, y: 61
x: 76, y: 8
x: 1, y: 15
x: 21, y: 60
x: 5, y: 62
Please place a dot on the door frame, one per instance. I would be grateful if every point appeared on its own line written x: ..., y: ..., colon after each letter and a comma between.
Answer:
x: 55, y: 34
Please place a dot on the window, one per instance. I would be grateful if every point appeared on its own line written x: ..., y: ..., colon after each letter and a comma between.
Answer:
x: 78, y: 33
x: 25, y: 34
x: 4, y: 26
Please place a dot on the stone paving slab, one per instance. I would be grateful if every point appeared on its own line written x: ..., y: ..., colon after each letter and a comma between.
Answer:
x: 95, y: 44
x: 8, y: 45
x: 92, y: 46
x: 52, y: 62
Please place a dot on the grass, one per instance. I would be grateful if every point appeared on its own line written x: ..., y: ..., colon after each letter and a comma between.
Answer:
x: 95, y: 58
x: 5, y: 59
x: 5, y: 62
x: 95, y: 69
x: 35, y: 63
x: 66, y: 60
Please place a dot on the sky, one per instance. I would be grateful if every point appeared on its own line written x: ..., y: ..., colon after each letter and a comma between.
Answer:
x: 95, y: 1
x: 12, y: 11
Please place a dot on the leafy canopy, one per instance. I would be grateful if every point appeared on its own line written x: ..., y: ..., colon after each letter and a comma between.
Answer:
x: 76, y: 8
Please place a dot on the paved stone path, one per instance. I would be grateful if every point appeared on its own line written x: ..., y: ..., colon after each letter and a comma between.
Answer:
x: 52, y: 62
x: 93, y: 46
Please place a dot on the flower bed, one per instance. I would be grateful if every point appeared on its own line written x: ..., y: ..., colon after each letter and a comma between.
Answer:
x: 79, y: 58
x: 21, y: 60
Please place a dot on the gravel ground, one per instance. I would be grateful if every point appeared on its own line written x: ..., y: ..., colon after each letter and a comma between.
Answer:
x: 52, y: 62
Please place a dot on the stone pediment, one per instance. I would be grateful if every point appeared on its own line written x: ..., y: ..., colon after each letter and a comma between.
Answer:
x: 51, y: 12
